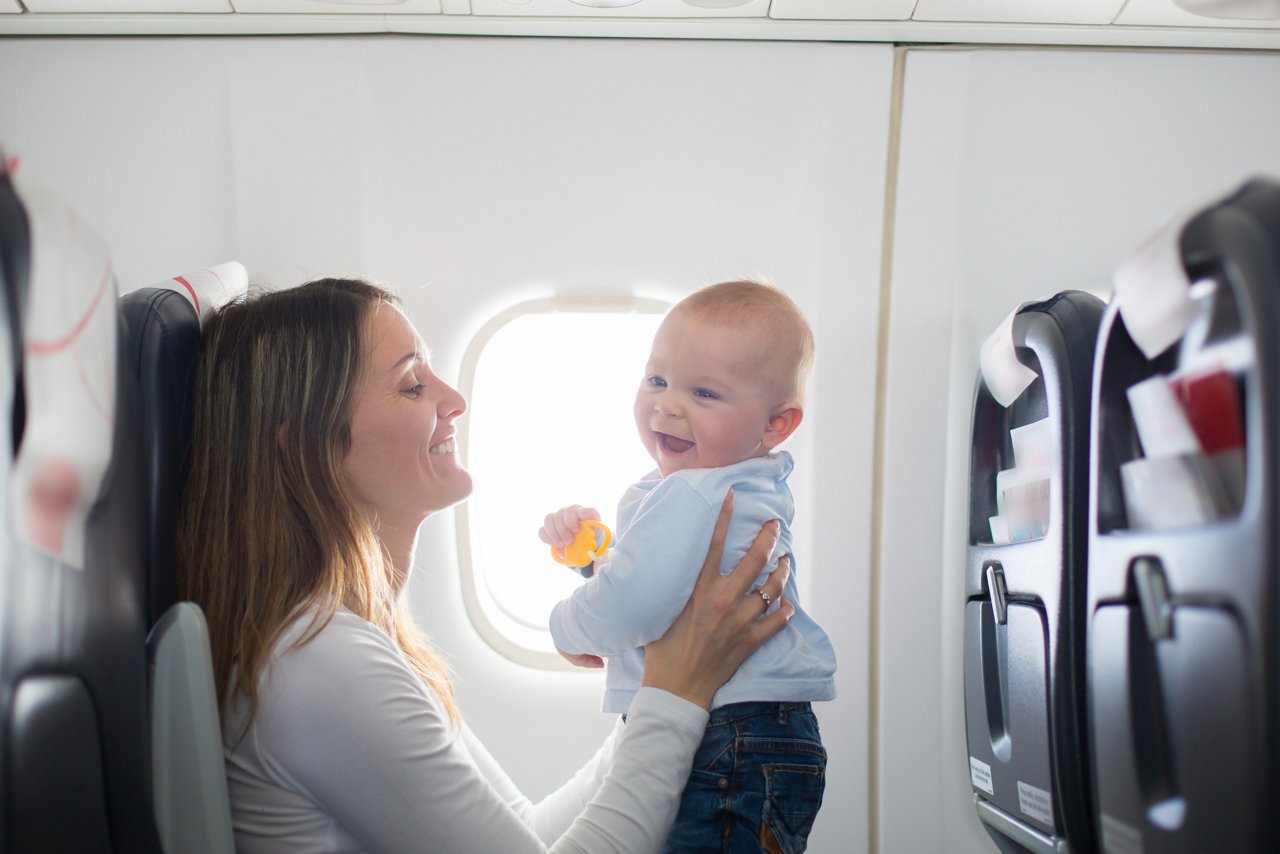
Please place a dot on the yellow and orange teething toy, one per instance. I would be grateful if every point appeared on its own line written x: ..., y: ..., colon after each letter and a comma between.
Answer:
x: 591, y: 541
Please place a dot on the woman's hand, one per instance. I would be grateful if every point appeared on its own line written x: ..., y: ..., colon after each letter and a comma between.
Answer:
x: 720, y: 625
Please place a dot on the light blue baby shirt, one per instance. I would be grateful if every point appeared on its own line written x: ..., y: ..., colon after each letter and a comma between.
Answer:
x: 664, y: 529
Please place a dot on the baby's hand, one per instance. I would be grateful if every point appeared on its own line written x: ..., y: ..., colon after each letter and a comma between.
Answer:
x: 559, y: 527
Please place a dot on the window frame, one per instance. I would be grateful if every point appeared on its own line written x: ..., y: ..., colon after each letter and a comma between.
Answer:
x: 466, y: 535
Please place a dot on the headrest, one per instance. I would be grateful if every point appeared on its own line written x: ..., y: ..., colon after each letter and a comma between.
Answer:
x: 209, y: 288
x: 162, y: 329
x: 69, y: 374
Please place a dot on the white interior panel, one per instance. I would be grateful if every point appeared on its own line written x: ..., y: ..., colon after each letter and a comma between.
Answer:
x: 473, y: 174
x: 1028, y: 11
x: 1166, y: 13
x: 10, y: 6
x: 625, y: 8
x: 1239, y: 10
x: 113, y: 6
x: 1022, y: 173
x: 336, y: 7
x: 842, y: 10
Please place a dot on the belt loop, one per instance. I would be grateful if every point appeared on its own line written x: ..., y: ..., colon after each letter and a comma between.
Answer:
x: 782, y: 714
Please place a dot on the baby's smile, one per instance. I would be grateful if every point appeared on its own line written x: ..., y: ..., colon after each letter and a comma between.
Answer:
x: 673, y: 445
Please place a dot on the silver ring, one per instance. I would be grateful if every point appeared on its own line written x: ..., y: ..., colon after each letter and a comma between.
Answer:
x: 765, y: 597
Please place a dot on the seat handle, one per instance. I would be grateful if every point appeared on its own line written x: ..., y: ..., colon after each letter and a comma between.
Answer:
x: 998, y: 593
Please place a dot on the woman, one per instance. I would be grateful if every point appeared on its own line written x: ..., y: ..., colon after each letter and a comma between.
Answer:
x: 322, y: 441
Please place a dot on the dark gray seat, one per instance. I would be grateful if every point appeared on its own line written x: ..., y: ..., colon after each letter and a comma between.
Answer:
x: 163, y: 335
x: 74, y: 734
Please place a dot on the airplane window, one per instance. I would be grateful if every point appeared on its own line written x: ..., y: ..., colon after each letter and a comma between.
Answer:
x: 550, y: 386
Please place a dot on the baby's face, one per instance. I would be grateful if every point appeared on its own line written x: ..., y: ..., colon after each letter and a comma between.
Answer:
x: 706, y: 398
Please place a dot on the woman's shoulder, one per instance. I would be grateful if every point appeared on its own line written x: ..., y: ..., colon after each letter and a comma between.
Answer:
x: 317, y: 635
x: 347, y: 668
x: 314, y: 652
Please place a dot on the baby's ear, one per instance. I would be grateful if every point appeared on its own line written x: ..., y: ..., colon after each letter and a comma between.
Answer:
x: 781, y: 424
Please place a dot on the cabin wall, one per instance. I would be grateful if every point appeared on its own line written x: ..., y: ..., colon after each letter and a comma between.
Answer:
x: 474, y: 173
x: 1022, y: 173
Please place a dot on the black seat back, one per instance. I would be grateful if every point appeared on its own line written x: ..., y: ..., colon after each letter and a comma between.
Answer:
x: 74, y: 745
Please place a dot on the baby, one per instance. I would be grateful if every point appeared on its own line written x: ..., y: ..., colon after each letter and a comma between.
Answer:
x: 723, y: 388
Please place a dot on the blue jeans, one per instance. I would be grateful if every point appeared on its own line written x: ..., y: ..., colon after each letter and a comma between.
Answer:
x: 757, y: 782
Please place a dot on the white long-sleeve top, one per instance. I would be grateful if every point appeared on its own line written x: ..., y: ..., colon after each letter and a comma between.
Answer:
x: 349, y: 751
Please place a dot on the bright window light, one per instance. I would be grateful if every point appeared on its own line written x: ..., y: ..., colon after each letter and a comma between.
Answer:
x: 550, y: 387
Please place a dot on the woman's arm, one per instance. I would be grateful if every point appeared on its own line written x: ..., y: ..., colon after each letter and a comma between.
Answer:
x: 551, y: 816
x: 374, y: 752
x: 344, y: 721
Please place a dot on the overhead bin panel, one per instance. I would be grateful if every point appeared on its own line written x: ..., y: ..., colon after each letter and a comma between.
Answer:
x: 9, y: 6
x: 338, y: 7
x: 1224, y: 13
x: 842, y: 10
x: 624, y: 8
x: 156, y: 7
x: 1019, y: 11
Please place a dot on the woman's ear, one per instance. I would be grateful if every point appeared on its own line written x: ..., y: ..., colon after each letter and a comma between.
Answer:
x: 781, y: 425
x: 281, y: 432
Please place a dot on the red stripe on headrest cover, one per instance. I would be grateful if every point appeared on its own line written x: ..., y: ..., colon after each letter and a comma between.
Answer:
x: 195, y: 299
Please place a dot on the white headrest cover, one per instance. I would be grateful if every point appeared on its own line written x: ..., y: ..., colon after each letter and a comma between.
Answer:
x: 211, y: 287
x: 69, y: 369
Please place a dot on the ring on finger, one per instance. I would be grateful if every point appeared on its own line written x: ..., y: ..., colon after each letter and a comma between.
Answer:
x: 764, y: 597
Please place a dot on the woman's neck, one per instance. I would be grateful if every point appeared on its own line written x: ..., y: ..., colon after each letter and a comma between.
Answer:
x: 400, y: 542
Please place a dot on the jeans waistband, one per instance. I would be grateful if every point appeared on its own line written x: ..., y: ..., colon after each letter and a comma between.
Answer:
x: 741, y: 711
x: 755, y: 708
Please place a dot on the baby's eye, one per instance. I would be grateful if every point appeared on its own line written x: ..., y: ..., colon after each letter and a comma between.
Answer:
x: 656, y: 381
x: 705, y: 394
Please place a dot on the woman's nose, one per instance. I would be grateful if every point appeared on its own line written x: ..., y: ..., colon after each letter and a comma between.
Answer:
x: 452, y: 404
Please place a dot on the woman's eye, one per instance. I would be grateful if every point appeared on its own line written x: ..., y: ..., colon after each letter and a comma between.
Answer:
x: 415, y: 390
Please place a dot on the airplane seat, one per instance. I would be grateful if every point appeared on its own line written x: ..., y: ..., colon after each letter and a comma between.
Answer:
x: 13, y: 276
x: 163, y: 332
x: 74, y: 772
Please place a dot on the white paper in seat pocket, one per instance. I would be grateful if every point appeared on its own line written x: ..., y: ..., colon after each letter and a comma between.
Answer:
x: 1152, y: 291
x: 1006, y: 377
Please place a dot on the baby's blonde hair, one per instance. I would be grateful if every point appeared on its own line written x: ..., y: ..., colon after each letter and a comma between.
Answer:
x: 786, y: 339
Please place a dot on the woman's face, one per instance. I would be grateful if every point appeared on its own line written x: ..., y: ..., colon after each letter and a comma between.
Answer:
x: 403, y: 461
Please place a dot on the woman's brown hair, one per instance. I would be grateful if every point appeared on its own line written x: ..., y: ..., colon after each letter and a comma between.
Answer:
x: 267, y: 529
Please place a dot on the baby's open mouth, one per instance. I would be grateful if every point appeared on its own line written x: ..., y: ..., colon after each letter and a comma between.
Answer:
x: 673, y: 445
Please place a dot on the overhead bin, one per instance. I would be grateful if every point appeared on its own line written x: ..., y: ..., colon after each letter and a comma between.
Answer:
x: 339, y: 7
x: 842, y: 10
x: 1024, y: 577
x: 624, y: 8
x: 1019, y: 11
x: 1253, y: 14
x: 157, y: 7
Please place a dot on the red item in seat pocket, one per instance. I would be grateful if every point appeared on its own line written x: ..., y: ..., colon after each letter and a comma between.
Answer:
x: 1213, y: 408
